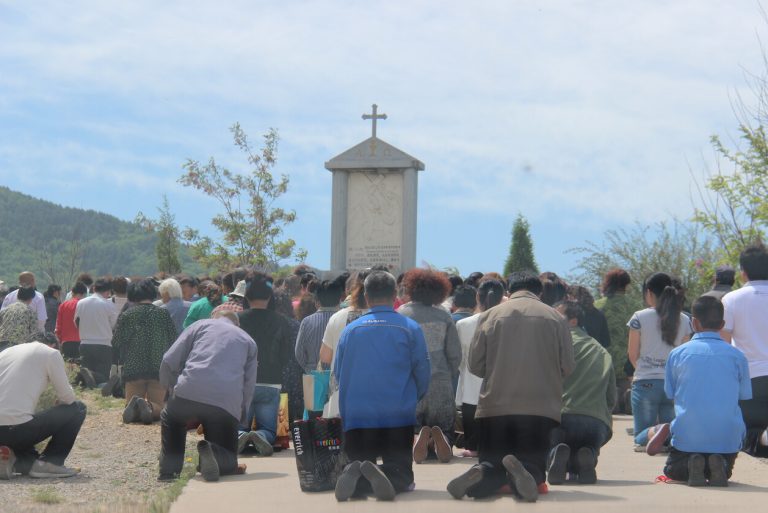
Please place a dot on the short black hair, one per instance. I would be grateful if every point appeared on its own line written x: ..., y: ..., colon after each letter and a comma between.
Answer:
x: 328, y: 292
x: 185, y: 279
x: 228, y: 280
x: 143, y: 290
x: 571, y: 309
x: 79, y: 289
x: 103, y: 285
x: 258, y: 286
x: 52, y: 289
x: 553, y: 288
x: 524, y: 280
x: 465, y: 296
x: 307, y: 278
x: 455, y: 280
x: 25, y: 293
x: 709, y: 312
x: 474, y: 279
x: 754, y: 262
x: 380, y: 285
x: 725, y: 275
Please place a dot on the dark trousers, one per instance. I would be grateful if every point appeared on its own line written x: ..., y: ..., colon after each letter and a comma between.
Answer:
x: 577, y: 431
x: 470, y: 427
x: 97, y: 359
x: 220, y: 430
x: 755, y: 413
x: 60, y: 423
x: 392, y: 445
x: 70, y: 350
x: 527, y: 437
x: 676, y: 466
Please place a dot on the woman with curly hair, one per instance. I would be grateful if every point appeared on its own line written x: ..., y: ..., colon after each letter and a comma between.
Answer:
x: 436, y: 412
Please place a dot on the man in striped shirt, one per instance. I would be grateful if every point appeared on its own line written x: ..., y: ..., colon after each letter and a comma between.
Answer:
x: 328, y: 294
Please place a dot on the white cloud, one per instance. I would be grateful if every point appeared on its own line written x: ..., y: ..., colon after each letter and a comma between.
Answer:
x: 605, y: 102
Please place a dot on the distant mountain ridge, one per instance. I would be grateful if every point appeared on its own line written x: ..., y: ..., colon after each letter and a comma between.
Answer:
x: 43, y: 237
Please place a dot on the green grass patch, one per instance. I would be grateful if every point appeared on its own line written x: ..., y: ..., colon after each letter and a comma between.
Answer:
x: 162, y: 501
x: 46, y: 495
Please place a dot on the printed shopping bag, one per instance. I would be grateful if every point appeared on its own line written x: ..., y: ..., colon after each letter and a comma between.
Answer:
x: 319, y: 457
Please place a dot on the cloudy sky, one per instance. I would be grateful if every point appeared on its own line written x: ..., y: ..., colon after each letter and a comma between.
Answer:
x: 582, y: 115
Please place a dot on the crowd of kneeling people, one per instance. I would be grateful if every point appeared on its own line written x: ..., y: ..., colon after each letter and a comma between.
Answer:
x: 532, y: 368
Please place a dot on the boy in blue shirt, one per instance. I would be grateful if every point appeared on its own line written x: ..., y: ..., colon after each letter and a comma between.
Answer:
x: 706, y: 377
x: 382, y: 368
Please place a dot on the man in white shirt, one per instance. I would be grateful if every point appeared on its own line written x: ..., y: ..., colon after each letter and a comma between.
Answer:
x: 96, y: 316
x: 25, y: 371
x: 746, y: 327
x: 27, y: 279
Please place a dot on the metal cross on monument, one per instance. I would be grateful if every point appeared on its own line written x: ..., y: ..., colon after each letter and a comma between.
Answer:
x: 374, y: 117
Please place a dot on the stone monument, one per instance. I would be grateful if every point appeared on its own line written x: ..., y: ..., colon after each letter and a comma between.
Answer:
x: 373, y: 218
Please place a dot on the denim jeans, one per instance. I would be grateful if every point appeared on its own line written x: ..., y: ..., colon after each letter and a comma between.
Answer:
x: 577, y: 431
x: 263, y: 409
x: 650, y: 406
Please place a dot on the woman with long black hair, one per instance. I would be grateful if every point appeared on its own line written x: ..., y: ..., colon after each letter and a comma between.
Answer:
x: 653, y: 333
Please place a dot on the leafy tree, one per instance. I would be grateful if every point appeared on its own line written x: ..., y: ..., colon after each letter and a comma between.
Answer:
x: 735, y: 208
x: 251, y: 226
x: 167, y: 247
x: 521, y: 250
x: 677, y: 248
x: 733, y: 204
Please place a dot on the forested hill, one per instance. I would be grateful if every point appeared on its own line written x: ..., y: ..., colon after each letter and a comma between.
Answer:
x: 54, y: 242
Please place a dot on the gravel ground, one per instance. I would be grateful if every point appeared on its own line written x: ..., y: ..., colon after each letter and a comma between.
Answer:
x: 118, y: 465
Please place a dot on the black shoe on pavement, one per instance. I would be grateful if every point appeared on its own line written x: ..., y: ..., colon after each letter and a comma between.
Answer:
x: 209, y: 467
x: 696, y: 466
x: 718, y: 471
x: 459, y: 486
x: 523, y: 482
x: 558, y: 464
x: 382, y: 487
x: 587, y: 463
x: 347, y: 482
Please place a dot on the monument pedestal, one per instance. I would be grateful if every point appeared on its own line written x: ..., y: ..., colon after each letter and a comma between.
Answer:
x: 373, y: 219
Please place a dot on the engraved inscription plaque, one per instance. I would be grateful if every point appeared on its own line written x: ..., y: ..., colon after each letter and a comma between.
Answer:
x: 374, y: 220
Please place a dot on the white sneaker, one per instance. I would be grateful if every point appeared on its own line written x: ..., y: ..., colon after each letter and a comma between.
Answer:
x: 7, y: 461
x: 46, y: 469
